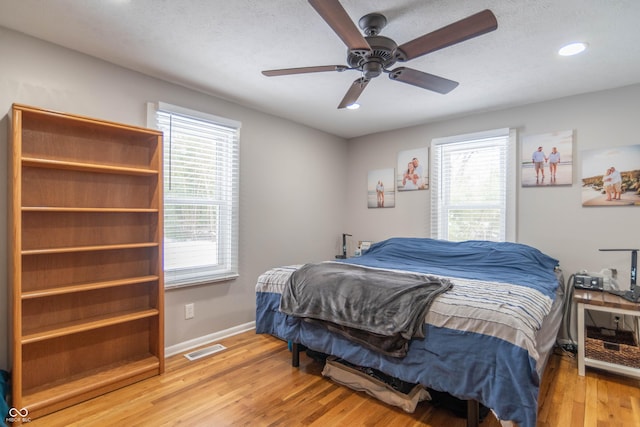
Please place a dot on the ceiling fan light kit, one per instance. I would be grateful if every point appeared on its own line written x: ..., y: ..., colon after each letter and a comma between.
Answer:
x: 373, y: 54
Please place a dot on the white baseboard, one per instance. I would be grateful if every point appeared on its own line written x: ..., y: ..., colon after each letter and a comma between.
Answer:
x: 207, y: 339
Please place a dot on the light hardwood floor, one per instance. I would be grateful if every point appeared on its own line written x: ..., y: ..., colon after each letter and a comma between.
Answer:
x: 252, y: 383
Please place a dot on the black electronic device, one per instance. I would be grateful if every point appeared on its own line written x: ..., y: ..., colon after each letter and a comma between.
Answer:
x: 633, y: 294
x: 584, y: 281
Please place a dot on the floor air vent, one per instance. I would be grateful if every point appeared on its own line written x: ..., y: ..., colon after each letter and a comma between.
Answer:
x: 198, y: 354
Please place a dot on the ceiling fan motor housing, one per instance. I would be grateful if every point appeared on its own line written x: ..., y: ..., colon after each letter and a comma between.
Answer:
x: 372, y: 63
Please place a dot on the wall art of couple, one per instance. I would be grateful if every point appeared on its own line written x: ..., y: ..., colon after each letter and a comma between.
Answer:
x: 412, y: 172
x: 611, y: 176
x: 547, y: 159
x: 381, y: 191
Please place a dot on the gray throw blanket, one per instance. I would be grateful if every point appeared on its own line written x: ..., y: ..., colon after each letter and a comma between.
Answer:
x: 379, y: 309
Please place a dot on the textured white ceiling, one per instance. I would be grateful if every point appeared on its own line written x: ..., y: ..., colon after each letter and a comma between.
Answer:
x: 220, y: 47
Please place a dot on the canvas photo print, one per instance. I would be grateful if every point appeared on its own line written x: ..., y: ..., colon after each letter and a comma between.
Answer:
x: 381, y: 191
x: 412, y: 172
x: 547, y: 159
x: 611, y: 176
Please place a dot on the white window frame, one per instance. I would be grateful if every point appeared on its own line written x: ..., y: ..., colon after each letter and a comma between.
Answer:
x: 439, y: 229
x: 226, y: 267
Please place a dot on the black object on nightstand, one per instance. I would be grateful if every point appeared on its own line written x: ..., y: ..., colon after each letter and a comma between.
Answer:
x: 344, y: 247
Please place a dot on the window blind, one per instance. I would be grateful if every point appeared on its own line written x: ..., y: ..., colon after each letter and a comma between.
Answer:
x: 201, y: 182
x: 473, y: 187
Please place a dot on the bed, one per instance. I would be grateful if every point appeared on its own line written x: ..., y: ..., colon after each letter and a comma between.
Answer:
x: 486, y: 338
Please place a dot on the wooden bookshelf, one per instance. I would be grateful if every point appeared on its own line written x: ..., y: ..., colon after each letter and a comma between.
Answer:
x: 85, y: 232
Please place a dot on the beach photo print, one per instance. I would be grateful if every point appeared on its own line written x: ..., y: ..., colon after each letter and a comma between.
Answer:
x: 381, y: 192
x: 611, y: 176
x: 547, y: 159
x: 412, y: 172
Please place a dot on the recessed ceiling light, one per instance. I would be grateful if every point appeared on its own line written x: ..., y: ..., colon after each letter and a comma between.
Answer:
x: 572, y: 49
x: 353, y: 106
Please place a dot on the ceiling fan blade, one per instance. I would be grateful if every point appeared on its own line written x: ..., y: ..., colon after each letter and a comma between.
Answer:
x: 354, y: 92
x: 338, y: 19
x: 302, y: 70
x: 423, y: 80
x: 465, y: 29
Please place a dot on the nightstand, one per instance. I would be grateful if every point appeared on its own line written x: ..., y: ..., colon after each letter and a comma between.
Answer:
x: 613, y: 304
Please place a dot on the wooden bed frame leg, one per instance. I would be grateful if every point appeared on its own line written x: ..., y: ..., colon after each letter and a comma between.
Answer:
x: 295, y: 354
x: 473, y: 413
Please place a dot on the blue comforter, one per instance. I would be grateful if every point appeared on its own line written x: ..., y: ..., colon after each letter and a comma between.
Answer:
x: 473, y: 259
x: 481, y: 336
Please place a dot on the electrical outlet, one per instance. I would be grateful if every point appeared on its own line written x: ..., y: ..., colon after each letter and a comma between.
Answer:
x: 189, y: 311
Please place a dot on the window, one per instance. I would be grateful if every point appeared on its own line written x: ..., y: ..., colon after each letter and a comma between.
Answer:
x: 201, y: 171
x: 473, y: 187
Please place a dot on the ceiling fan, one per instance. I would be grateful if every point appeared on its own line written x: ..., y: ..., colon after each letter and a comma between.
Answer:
x: 374, y: 54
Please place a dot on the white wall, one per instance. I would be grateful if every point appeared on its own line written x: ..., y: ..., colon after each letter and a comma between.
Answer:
x: 291, y: 176
x: 551, y: 219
